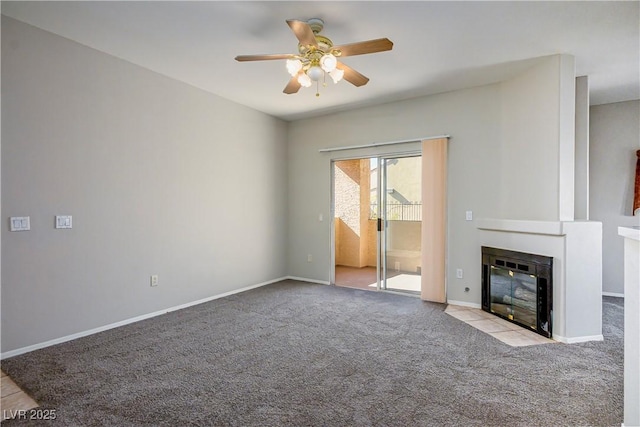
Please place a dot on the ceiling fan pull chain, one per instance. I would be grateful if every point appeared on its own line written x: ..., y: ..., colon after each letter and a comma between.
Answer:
x: 317, y: 88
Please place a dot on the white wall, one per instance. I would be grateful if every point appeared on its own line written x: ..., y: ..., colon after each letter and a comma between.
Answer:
x: 480, y: 121
x: 614, y: 139
x: 537, y: 146
x: 160, y: 177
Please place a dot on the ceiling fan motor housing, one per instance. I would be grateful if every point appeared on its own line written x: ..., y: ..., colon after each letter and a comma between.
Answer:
x: 324, y: 43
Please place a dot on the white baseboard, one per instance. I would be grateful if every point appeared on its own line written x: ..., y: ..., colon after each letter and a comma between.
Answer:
x: 577, y: 340
x: 71, y: 337
x: 612, y: 294
x: 303, y: 279
x: 464, y: 303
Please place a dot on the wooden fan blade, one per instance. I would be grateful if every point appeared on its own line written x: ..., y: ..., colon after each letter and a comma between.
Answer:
x: 242, y: 58
x: 303, y: 32
x: 361, y: 48
x: 293, y: 86
x: 352, y: 76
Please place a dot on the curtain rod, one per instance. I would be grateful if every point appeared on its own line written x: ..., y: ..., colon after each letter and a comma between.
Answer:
x: 378, y: 144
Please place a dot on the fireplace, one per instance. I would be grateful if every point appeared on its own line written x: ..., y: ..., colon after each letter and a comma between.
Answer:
x: 518, y: 287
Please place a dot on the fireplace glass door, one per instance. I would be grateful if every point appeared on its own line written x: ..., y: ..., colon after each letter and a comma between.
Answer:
x: 513, y: 295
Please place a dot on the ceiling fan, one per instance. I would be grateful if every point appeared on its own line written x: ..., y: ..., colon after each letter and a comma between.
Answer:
x: 317, y: 57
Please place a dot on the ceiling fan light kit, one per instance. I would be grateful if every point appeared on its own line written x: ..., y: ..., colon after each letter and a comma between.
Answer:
x: 317, y: 57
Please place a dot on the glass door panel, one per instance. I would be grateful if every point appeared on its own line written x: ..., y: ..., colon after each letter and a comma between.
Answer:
x: 355, y: 251
x: 400, y: 208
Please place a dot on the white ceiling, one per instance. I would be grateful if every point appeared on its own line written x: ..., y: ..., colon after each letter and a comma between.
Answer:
x: 438, y: 46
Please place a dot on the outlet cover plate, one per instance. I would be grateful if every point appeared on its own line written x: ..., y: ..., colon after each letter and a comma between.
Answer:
x: 64, y: 221
x: 19, y: 223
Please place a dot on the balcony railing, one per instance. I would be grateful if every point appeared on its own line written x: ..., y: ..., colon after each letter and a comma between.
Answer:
x: 399, y: 211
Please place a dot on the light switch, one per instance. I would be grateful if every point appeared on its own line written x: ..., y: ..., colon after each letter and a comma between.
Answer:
x: 469, y: 215
x: 19, y: 223
x: 64, y: 221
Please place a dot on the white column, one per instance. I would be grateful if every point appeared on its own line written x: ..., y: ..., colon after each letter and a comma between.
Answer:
x: 631, y: 325
x: 581, y: 195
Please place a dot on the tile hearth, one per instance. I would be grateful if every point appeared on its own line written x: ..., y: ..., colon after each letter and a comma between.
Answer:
x: 507, y: 332
x: 14, y: 400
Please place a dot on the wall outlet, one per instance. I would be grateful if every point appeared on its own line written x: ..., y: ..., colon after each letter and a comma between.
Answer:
x: 309, y: 258
x: 154, y: 280
x: 459, y: 273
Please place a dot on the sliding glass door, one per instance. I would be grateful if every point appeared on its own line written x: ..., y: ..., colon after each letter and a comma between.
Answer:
x: 377, y: 223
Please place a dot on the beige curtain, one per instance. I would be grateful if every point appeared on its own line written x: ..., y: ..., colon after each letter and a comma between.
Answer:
x: 434, y: 219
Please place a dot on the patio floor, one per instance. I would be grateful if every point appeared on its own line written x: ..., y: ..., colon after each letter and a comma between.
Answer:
x: 365, y: 278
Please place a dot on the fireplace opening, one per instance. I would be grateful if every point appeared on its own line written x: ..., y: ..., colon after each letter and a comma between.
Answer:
x: 518, y: 287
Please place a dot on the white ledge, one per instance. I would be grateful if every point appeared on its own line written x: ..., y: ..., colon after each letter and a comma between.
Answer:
x: 553, y: 228
x: 629, y: 232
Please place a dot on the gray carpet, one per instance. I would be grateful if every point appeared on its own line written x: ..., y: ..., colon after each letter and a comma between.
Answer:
x: 299, y: 354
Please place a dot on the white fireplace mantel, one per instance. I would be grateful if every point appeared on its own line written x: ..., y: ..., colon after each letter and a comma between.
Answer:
x: 576, y: 248
x: 551, y: 228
